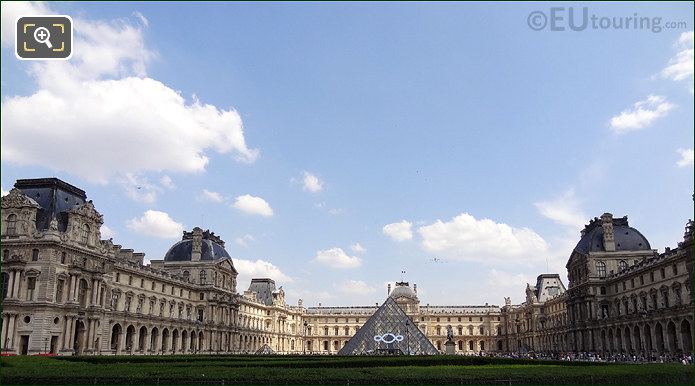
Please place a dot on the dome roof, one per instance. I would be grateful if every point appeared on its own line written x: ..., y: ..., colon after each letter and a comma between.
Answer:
x: 212, y: 248
x: 403, y: 289
x: 626, y: 237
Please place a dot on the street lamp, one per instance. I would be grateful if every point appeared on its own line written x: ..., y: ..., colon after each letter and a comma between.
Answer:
x: 304, y: 342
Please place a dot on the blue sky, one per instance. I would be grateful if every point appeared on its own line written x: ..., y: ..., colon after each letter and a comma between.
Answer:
x: 485, y: 142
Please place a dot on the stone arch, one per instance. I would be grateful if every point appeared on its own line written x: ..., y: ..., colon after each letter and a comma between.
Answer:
x: 142, y: 335
x: 174, y: 340
x: 153, y: 339
x: 671, y: 337
x: 603, y: 340
x: 116, y: 332
x: 184, y: 341
x: 659, y: 333
x: 619, y: 337
x: 686, y: 337
x: 165, y: 340
x: 129, y: 334
x: 648, y: 344
x: 194, y: 342
x: 637, y: 339
x: 628, y: 339
x: 610, y: 340
x: 201, y: 340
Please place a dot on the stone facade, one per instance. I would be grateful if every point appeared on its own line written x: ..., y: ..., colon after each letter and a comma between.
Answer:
x: 68, y: 292
x: 623, y: 298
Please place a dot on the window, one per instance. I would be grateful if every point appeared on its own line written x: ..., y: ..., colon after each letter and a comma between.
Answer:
x: 5, y: 254
x: 347, y: 330
x: 651, y: 276
x: 335, y: 330
x: 35, y: 255
x: 641, y: 279
x: 663, y: 273
x: 202, y: 296
x: 31, y: 287
x: 482, y: 330
x: 460, y: 330
x: 154, y: 285
x: 632, y: 283
x: 325, y: 331
x: 601, y: 269
x: 675, y: 269
x: 142, y: 283
x: 130, y: 280
x: 85, y: 234
x: 203, y: 276
x: 118, y: 277
x: 59, y: 290
x: 622, y: 265
x: 82, y: 293
x: 12, y: 225
x: 470, y: 345
x: 200, y: 315
x: 603, y: 290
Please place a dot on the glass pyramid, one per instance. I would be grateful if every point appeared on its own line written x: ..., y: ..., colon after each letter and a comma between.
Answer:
x: 265, y: 350
x: 389, y: 331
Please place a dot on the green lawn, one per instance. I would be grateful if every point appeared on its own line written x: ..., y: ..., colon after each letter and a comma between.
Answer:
x: 327, y: 370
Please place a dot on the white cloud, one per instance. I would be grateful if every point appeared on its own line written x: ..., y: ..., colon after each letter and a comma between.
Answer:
x: 157, y: 224
x: 138, y: 188
x: 680, y: 67
x: 337, y: 258
x: 249, y: 269
x: 336, y: 211
x: 210, y: 196
x: 564, y: 210
x: 253, y: 205
x: 358, y: 248
x: 686, y: 157
x: 311, y: 183
x: 105, y: 107
x: 106, y: 232
x: 468, y: 239
x: 506, y: 279
x: 4, y: 192
x: 355, y: 287
x: 11, y: 11
x: 167, y: 182
x: 643, y: 114
x: 399, y: 231
x: 243, y: 241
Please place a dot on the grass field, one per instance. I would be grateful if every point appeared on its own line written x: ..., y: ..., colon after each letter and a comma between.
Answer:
x: 239, y: 369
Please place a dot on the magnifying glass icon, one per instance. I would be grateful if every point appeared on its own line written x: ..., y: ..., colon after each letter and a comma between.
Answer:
x: 42, y: 36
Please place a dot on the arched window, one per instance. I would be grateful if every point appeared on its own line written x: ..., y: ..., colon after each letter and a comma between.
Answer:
x: 347, y: 330
x: 82, y: 293
x: 601, y: 269
x: 203, y: 276
x: 5, y: 278
x: 622, y: 265
x: 85, y: 234
x: 12, y: 225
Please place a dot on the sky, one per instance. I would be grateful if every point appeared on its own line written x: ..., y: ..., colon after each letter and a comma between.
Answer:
x: 334, y: 146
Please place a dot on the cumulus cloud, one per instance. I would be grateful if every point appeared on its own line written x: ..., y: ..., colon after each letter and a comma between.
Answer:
x: 253, y: 205
x: 138, y: 188
x: 680, y: 67
x: 468, y: 239
x: 356, y: 287
x: 167, y: 182
x: 106, y: 232
x: 105, y: 106
x: 10, y: 13
x: 243, y: 241
x: 210, y: 196
x: 337, y: 258
x: 399, y: 231
x: 311, y: 183
x: 506, y: 279
x: 250, y: 269
x: 643, y: 114
x: 358, y: 248
x: 686, y: 157
x: 564, y: 210
x: 157, y: 224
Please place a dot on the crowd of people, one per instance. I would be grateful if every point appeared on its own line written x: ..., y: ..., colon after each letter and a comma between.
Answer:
x: 597, y: 357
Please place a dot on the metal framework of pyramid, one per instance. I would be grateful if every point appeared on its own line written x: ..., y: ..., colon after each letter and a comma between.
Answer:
x: 389, y: 331
x: 265, y: 350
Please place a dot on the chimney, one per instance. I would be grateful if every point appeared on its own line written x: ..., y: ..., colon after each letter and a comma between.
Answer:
x: 388, y: 290
x: 415, y: 287
x: 607, y: 224
x: 197, y: 244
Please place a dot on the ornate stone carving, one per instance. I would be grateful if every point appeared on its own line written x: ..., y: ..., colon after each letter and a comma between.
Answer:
x: 17, y: 199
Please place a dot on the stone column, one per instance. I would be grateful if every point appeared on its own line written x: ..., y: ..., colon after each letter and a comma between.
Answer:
x: 17, y: 282
x: 10, y: 331
x: 10, y: 284
x: 121, y: 340
x: 95, y: 291
x: 71, y: 334
x: 158, y: 342
x: 3, y: 336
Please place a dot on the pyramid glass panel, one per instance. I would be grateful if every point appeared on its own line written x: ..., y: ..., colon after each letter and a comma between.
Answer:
x: 389, y: 331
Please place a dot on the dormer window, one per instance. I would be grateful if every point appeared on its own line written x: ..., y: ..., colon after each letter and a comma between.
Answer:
x: 85, y: 234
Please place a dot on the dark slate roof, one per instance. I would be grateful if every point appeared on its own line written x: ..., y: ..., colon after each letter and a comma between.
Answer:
x: 264, y: 289
x: 626, y: 237
x: 182, y: 251
x: 56, y: 198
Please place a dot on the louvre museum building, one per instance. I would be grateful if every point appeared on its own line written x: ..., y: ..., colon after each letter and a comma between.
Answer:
x: 66, y: 291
